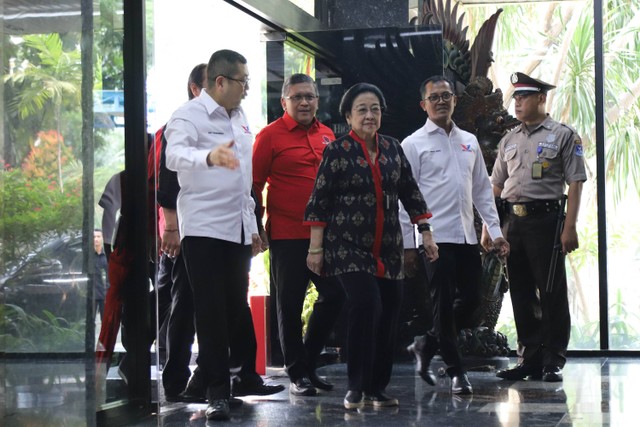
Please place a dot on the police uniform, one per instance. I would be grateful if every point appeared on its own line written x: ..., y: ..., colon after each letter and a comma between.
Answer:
x: 532, y: 167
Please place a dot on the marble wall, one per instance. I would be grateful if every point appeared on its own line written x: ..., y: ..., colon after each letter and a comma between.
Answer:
x: 342, y: 14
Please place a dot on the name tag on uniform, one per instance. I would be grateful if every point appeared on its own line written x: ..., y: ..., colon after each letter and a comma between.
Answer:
x: 536, y: 170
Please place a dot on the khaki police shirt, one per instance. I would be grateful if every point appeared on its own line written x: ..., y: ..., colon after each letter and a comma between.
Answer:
x: 557, y: 146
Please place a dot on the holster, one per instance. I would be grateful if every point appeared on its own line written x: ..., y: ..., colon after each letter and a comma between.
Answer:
x: 501, y: 207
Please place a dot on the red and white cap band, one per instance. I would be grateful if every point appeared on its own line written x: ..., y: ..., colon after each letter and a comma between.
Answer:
x: 525, y: 87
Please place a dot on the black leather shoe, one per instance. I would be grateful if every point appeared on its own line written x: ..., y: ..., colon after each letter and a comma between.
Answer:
x: 520, y: 372
x: 318, y: 382
x: 302, y: 387
x: 243, y: 388
x: 460, y: 384
x: 353, y: 400
x: 423, y: 362
x: 234, y: 402
x: 379, y: 399
x: 218, y: 410
x: 552, y: 374
x: 186, y: 397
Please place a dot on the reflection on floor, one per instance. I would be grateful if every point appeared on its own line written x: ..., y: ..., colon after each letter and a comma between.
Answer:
x: 595, y: 391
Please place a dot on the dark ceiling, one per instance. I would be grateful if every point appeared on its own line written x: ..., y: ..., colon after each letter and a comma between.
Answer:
x: 40, y: 16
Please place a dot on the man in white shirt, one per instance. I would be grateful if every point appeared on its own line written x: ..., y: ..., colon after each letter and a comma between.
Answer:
x: 209, y: 145
x: 447, y: 164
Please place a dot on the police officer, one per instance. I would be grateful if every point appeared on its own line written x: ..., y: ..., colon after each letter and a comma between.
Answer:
x: 534, y: 163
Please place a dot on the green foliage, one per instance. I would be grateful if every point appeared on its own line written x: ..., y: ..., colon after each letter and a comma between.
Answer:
x: 34, y: 209
x: 622, y: 334
x: 23, y: 332
x: 508, y: 328
x: 309, y: 300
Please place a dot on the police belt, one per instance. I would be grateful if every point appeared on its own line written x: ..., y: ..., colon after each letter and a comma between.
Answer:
x: 533, y: 208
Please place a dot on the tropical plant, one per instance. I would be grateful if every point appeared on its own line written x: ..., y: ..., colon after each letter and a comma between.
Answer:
x: 47, y: 82
x: 33, y: 209
x: 24, y: 332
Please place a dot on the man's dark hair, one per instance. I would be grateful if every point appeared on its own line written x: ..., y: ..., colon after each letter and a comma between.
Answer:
x: 223, y: 63
x: 346, y: 103
x: 294, y: 79
x: 434, y: 80
x: 196, y: 77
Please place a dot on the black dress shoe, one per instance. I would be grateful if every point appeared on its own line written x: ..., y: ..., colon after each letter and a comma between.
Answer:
x: 318, y: 382
x: 218, y: 410
x: 353, y: 400
x: 520, y: 372
x: 379, y: 399
x: 552, y: 374
x: 186, y: 397
x: 460, y: 384
x: 423, y: 362
x: 243, y: 388
x: 302, y: 387
x: 234, y: 402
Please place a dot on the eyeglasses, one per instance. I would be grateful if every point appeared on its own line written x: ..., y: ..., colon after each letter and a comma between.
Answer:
x: 434, y: 99
x: 362, y: 111
x: 298, y: 98
x: 244, y: 83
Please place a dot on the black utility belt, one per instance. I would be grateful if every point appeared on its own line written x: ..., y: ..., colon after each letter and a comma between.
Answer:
x: 533, y: 208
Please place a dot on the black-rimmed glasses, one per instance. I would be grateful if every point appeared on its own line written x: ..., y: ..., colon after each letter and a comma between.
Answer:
x: 244, y: 83
x: 445, y: 96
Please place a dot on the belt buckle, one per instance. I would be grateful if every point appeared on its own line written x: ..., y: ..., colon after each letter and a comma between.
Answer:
x: 520, y: 210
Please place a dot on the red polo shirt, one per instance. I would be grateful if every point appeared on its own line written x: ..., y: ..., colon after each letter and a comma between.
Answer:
x: 286, y: 157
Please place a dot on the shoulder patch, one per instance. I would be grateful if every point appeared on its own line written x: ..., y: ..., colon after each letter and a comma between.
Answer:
x: 579, y: 151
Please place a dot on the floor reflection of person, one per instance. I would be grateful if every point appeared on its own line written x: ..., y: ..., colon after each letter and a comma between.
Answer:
x: 356, y: 237
x: 286, y: 156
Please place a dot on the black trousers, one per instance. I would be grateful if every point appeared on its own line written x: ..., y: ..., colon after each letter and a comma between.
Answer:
x: 454, y: 284
x: 181, y: 328
x: 373, y: 307
x: 217, y: 271
x: 543, y: 321
x: 291, y: 276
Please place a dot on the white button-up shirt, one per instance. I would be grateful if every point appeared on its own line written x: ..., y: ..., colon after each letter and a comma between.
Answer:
x: 213, y: 201
x: 452, y: 176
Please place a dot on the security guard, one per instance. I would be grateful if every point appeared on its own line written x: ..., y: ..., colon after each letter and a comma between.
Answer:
x: 534, y: 163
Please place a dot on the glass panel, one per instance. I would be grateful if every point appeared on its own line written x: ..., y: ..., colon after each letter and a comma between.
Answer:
x: 43, y: 289
x: 559, y: 51
x: 622, y: 109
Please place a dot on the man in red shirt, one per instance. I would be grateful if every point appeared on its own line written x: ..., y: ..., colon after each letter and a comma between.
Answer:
x: 286, y: 156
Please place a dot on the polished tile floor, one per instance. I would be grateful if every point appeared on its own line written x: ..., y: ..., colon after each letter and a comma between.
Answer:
x: 595, y: 392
